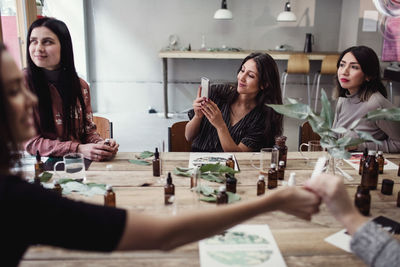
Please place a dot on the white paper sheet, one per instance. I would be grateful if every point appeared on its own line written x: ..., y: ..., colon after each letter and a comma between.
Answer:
x: 196, y: 159
x: 242, y: 245
x: 340, y: 240
x: 354, y: 162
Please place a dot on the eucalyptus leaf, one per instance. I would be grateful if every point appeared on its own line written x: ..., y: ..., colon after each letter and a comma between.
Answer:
x: 326, y: 110
x: 206, y: 190
x: 292, y: 100
x: 354, y: 124
x: 297, y: 111
x: 392, y: 114
x: 217, y: 168
x: 178, y: 172
x: 65, y: 180
x: 232, y: 197
x: 146, y: 154
x: 339, y: 153
x: 45, y: 177
x: 212, y: 199
x: 182, y: 169
x: 339, y: 130
x: 212, y: 177
x: 368, y: 137
x: 102, y: 186
x: 139, y: 162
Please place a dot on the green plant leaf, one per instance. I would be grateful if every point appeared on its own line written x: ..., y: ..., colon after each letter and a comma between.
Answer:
x: 179, y: 172
x: 339, y: 153
x: 102, y: 186
x: 292, y: 100
x: 367, y: 137
x: 212, y: 177
x: 212, y: 199
x: 146, y: 154
x: 354, y: 124
x: 182, y: 169
x: 232, y: 197
x: 45, y: 177
x: 206, y: 190
x: 391, y: 114
x: 297, y: 111
x: 139, y: 162
x: 339, y: 130
x: 326, y: 110
x: 65, y: 180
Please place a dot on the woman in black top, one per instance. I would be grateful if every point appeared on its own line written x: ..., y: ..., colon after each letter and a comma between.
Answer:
x: 235, y: 118
x: 31, y: 214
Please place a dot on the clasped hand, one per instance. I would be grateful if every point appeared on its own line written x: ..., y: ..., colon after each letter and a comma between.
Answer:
x: 100, y: 151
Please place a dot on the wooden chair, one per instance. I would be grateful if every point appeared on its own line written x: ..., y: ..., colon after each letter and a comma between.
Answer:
x: 176, y: 138
x: 306, y: 134
x: 328, y: 67
x: 297, y: 64
x: 104, y: 127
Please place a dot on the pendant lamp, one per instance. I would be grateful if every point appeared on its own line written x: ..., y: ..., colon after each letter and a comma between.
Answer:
x: 223, y: 12
x: 287, y: 14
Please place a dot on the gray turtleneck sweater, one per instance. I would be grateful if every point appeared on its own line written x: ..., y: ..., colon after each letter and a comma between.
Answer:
x: 350, y: 108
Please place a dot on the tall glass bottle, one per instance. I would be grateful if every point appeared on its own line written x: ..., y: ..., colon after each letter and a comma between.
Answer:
x: 272, y: 177
x: 381, y: 161
x: 280, y: 144
x: 362, y: 200
x: 362, y: 160
x: 231, y: 182
x: 281, y: 170
x: 156, y: 163
x: 369, y: 178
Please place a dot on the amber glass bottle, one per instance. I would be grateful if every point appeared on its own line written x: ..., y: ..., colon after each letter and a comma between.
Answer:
x: 156, y: 163
x: 39, y: 168
x: 281, y: 170
x: 109, y: 197
x: 169, y: 191
x: 222, y: 197
x: 230, y: 163
x: 231, y: 182
x: 369, y: 178
x: 194, y: 179
x: 260, y: 185
x: 362, y: 160
x: 272, y: 177
x: 362, y: 200
x: 280, y: 144
x: 387, y: 187
x: 381, y: 161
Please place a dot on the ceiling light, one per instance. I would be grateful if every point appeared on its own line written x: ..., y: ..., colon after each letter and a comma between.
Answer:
x: 223, y: 12
x: 287, y: 14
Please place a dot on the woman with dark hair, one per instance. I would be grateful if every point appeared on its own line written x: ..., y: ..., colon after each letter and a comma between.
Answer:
x: 235, y: 118
x: 46, y: 212
x: 63, y: 118
x: 360, y: 90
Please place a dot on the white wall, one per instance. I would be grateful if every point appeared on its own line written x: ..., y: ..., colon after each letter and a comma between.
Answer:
x: 125, y: 37
x: 349, y: 24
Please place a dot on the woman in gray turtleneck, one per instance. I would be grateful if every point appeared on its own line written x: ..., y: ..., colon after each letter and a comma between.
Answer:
x: 359, y: 91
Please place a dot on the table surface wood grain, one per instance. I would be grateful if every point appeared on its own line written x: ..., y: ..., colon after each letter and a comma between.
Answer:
x: 300, y: 242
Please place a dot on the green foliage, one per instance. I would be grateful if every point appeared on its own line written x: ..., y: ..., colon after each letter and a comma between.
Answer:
x: 45, y: 177
x: 146, y: 154
x: 210, y: 194
x: 209, y: 172
x: 334, y: 140
x: 139, y: 162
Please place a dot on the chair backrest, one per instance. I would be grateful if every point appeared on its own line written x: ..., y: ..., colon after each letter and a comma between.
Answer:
x: 328, y: 65
x: 176, y: 138
x: 104, y: 127
x: 306, y: 134
x: 298, y: 64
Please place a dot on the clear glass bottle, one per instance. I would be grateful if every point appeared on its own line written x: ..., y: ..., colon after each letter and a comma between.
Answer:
x: 222, y: 197
x: 57, y: 188
x: 280, y: 144
x: 369, y: 178
x: 230, y: 163
x: 169, y: 191
x: 260, y: 185
x: 156, y: 163
x: 362, y: 200
x: 381, y: 161
x: 272, y: 177
x: 231, y: 182
x: 195, y: 177
x: 281, y: 170
x: 362, y: 160
x: 109, y: 197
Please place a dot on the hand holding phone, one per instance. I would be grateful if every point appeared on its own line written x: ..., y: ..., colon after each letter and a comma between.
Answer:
x: 205, y: 85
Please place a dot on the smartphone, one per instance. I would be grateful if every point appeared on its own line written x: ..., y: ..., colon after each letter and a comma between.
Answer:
x: 205, y: 86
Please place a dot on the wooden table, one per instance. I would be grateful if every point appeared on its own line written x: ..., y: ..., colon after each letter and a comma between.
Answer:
x: 277, y: 55
x: 301, y: 242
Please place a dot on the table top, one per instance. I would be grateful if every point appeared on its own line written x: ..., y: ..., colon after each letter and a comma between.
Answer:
x: 300, y: 242
x: 277, y: 55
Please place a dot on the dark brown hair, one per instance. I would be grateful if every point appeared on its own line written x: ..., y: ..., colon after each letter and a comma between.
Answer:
x: 9, y: 156
x: 369, y: 63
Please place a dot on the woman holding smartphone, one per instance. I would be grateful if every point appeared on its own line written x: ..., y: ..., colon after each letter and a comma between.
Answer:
x: 235, y: 118
x: 32, y: 214
x: 63, y: 118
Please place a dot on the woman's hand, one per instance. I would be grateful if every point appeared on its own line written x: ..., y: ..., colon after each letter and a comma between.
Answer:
x: 198, y: 103
x: 99, y: 151
x: 298, y: 202
x: 213, y: 114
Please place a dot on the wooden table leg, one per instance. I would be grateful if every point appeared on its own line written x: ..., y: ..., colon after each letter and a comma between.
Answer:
x: 165, y: 84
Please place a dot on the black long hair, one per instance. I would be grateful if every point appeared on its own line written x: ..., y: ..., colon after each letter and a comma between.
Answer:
x: 269, y: 93
x: 69, y: 84
x: 370, y: 66
x: 8, y: 145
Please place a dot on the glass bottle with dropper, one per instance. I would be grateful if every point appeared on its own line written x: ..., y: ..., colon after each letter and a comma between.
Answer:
x: 156, y: 163
x: 261, y: 185
x: 109, y: 197
x: 169, y: 191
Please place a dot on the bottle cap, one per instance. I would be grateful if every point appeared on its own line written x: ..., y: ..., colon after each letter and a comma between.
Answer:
x: 156, y: 154
x: 380, y: 152
x: 273, y: 165
x: 108, y: 187
x: 37, y: 155
x: 169, y: 178
x: 281, y: 163
x: 362, y: 189
x: 222, y: 188
x: 371, y: 153
x: 261, y: 178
